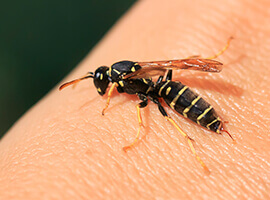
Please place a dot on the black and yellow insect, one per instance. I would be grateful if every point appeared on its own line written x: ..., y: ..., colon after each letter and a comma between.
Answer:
x: 136, y: 78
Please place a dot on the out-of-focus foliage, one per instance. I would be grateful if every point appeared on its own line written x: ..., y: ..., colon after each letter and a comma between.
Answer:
x: 41, y: 41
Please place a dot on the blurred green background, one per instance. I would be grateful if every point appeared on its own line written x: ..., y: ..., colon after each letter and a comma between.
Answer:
x: 41, y: 42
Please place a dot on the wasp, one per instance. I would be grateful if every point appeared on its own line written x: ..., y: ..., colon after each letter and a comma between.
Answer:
x: 136, y: 78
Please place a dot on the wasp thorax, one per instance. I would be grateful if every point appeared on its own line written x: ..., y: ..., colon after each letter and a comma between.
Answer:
x: 118, y: 70
x: 101, y: 80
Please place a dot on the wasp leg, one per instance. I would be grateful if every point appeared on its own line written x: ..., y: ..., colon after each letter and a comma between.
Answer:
x: 217, y: 54
x: 169, y: 75
x: 222, y: 50
x: 159, y: 79
x: 109, y: 97
x: 164, y: 113
x: 194, y: 57
x: 142, y: 104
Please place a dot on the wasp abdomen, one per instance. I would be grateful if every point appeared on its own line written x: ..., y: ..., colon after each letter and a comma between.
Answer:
x: 189, y: 104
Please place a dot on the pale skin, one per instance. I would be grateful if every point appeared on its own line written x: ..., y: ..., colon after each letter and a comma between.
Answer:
x: 63, y: 148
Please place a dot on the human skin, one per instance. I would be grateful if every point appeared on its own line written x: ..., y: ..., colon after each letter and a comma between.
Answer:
x: 63, y: 148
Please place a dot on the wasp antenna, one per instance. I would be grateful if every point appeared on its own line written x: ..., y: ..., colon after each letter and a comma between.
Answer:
x: 75, y: 81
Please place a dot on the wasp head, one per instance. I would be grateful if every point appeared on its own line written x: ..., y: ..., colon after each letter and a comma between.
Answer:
x: 101, y: 80
x: 100, y: 76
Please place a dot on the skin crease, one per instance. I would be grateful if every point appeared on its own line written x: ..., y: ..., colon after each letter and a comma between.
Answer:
x: 63, y: 148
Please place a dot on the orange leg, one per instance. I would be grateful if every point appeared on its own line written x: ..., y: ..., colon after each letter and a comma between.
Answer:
x: 222, y: 50
x: 189, y: 143
x: 109, y: 97
x: 217, y: 54
x: 194, y: 57
x: 164, y: 113
x: 138, y: 132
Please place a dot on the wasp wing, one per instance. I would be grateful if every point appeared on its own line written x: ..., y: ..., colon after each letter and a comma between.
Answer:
x: 158, y: 68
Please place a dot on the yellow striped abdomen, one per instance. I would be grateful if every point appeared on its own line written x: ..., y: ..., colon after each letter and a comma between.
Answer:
x: 189, y: 104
